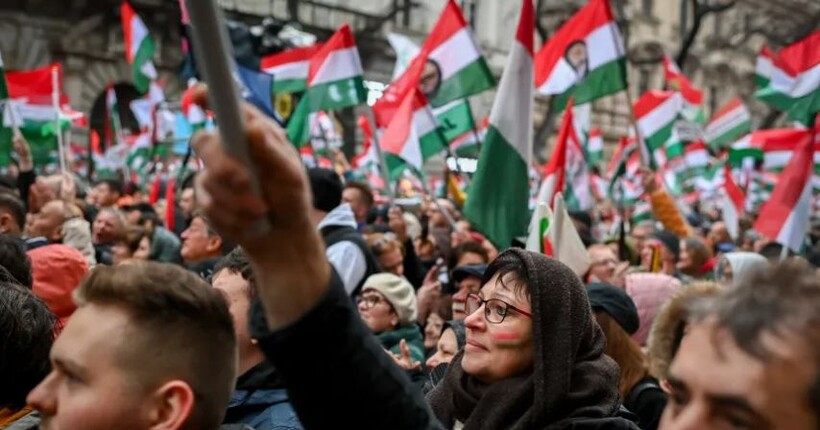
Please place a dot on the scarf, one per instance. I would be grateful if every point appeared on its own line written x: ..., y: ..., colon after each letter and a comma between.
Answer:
x: 571, y: 377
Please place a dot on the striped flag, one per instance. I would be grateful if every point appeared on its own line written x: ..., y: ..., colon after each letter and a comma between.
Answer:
x: 728, y: 124
x: 553, y: 233
x: 497, y: 203
x: 334, y: 81
x: 289, y: 68
x: 732, y: 201
x: 763, y: 67
x: 469, y: 143
x: 585, y: 58
x: 594, y: 147
x: 139, y: 48
x: 656, y: 113
x: 784, y: 218
x: 555, y: 171
x: 692, y: 108
x: 795, y: 80
x: 413, y: 134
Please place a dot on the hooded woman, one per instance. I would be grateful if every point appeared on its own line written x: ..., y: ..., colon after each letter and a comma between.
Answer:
x: 649, y: 291
x: 736, y: 268
x: 534, y: 355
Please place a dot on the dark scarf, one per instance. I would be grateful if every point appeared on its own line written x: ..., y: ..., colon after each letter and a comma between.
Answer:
x: 571, y: 377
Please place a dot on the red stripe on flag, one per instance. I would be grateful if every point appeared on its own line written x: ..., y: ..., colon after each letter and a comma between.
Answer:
x: 785, y: 139
x: 728, y: 107
x: 170, y: 196
x: 395, y: 136
x: 558, y: 159
x: 650, y: 100
x: 449, y: 23
x: 127, y: 14
x: 388, y: 104
x: 526, y: 26
x: 800, y: 56
x: 290, y: 56
x: 343, y: 38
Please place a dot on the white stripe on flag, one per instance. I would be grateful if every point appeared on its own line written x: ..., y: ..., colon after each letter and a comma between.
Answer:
x: 339, y: 64
x: 296, y: 70
x: 661, y: 116
x: 455, y: 53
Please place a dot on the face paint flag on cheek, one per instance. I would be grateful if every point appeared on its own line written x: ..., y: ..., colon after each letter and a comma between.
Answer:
x: 506, y: 339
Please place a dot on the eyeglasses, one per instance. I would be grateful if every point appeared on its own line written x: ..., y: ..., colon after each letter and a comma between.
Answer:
x: 369, y: 301
x: 495, y: 310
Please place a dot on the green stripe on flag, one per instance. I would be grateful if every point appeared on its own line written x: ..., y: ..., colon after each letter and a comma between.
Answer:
x: 456, y: 120
x: 470, y: 80
x: 607, y: 79
x: 144, y: 54
x: 730, y: 136
x: 336, y: 94
x: 660, y: 137
x: 288, y: 86
x: 431, y: 144
x: 805, y: 108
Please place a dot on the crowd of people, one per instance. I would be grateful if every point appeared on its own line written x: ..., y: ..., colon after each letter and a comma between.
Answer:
x: 309, y: 305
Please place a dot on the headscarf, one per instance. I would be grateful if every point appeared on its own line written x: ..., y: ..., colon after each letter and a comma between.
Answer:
x: 649, y: 291
x: 571, y: 378
x: 744, y: 265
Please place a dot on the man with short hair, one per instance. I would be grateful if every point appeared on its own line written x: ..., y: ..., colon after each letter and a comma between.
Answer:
x: 202, y: 246
x: 109, y: 224
x: 751, y: 359
x: 108, y: 193
x: 604, y: 266
x: 12, y: 214
x: 48, y: 223
x: 260, y: 399
x: 360, y: 198
x: 15, y: 261
x: 467, y: 280
x: 150, y: 346
x: 346, y: 249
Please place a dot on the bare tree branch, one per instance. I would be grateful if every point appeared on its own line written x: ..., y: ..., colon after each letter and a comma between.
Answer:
x: 702, y: 8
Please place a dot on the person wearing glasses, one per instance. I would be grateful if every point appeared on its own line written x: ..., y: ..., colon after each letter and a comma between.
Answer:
x: 534, y: 355
x: 387, y: 306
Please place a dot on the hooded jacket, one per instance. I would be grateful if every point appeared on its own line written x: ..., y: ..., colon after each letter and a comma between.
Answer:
x: 744, y: 265
x: 57, y: 271
x: 649, y: 291
x: 572, y: 385
x: 346, y: 250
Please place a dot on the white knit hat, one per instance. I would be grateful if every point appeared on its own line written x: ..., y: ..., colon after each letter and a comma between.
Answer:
x: 398, y: 292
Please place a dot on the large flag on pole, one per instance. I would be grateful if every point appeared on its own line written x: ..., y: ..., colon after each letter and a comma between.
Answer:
x: 413, y: 134
x: 139, y: 48
x: 289, y: 68
x: 728, y: 124
x: 795, y: 80
x: 585, y: 59
x: 334, y: 81
x: 498, y: 201
x: 555, y: 171
x: 784, y: 218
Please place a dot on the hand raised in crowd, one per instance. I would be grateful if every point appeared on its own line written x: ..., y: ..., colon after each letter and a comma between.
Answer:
x: 395, y: 219
x: 68, y: 189
x: 404, y: 360
x: 274, y: 227
x: 23, y: 150
x: 429, y: 293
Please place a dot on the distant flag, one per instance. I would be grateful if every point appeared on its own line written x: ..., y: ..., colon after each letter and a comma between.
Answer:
x: 795, y: 80
x: 139, y: 48
x: 784, y: 218
x: 257, y: 89
x: 585, y: 59
x: 405, y: 50
x: 692, y: 97
x: 468, y: 144
x: 497, y: 203
x: 289, y: 68
x: 555, y: 171
x: 732, y: 203
x: 656, y: 113
x: 557, y: 237
x: 595, y: 147
x: 763, y: 67
x: 728, y: 124
x: 455, y: 119
x: 413, y: 134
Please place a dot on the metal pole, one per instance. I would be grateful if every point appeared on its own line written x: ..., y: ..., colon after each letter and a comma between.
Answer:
x: 55, y: 100
x: 382, y: 164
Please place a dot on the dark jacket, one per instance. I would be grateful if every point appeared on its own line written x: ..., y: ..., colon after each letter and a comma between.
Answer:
x: 260, y: 401
x: 342, y: 378
x: 165, y: 246
x: 647, y: 401
x: 204, y: 268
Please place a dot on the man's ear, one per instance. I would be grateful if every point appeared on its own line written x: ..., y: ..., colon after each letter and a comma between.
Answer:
x: 171, y: 406
x: 214, y: 243
x: 5, y: 222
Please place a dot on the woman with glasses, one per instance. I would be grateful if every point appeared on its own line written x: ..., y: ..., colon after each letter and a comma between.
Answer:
x: 387, y: 306
x: 534, y: 355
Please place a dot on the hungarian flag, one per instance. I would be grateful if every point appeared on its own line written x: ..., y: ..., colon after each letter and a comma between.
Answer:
x: 289, y: 68
x: 732, y: 201
x: 139, y: 48
x: 656, y: 113
x: 585, y: 59
x: 795, y: 81
x: 113, y: 128
x: 555, y: 172
x: 554, y: 235
x: 498, y: 201
x: 4, y: 87
x: 594, y: 147
x: 194, y: 113
x: 763, y: 67
x: 695, y: 159
x: 368, y: 157
x: 334, y: 81
x: 728, y: 124
x: 455, y: 67
x: 469, y: 143
x: 784, y: 218
x: 455, y: 119
x: 413, y: 134
x: 692, y: 108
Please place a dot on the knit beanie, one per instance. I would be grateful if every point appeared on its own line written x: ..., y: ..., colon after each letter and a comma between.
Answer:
x: 327, y: 189
x: 615, y: 302
x: 398, y: 292
x: 669, y: 240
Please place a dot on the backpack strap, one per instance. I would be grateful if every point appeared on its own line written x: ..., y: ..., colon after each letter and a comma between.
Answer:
x: 640, y: 388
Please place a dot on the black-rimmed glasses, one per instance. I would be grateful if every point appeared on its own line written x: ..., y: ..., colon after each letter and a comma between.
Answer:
x: 495, y: 310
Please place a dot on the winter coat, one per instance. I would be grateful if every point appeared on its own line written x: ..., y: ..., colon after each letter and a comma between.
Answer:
x: 666, y: 211
x: 165, y: 246
x: 57, y: 271
x: 649, y: 291
x: 391, y: 341
x: 346, y: 250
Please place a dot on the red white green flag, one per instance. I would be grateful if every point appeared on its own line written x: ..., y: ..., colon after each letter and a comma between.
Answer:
x: 763, y: 67
x: 553, y: 233
x: 555, y: 171
x: 795, y: 80
x: 289, y: 68
x: 413, y: 134
x: 728, y: 124
x: 139, y: 48
x: 732, y: 201
x: 498, y: 201
x: 585, y: 59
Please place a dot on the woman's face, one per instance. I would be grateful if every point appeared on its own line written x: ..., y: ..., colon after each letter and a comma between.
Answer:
x: 120, y: 253
x: 446, y: 349
x: 376, y: 312
x: 144, y: 249
x: 498, y: 351
x: 432, y: 330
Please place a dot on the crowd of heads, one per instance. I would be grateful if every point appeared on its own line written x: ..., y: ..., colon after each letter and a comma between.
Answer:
x: 113, y: 306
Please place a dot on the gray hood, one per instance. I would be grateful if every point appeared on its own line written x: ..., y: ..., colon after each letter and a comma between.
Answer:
x: 744, y: 264
x: 342, y: 215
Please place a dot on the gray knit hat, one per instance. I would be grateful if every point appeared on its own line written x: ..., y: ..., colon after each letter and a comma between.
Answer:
x: 398, y: 292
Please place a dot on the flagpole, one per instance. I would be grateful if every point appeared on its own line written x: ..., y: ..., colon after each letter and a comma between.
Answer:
x: 55, y: 100
x: 377, y: 145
